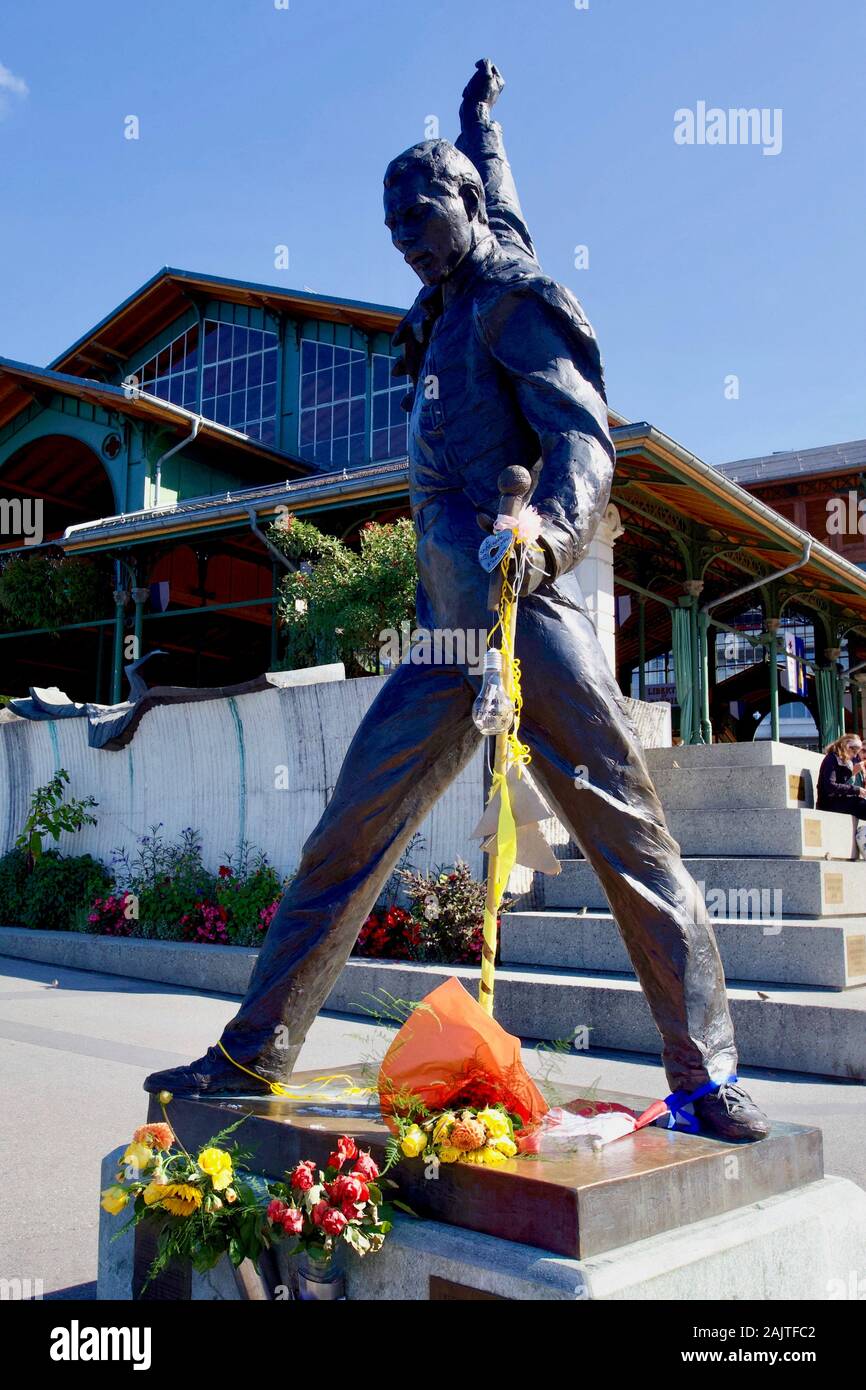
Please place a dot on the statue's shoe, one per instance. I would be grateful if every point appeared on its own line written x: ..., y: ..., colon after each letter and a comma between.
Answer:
x: 730, y: 1113
x: 211, y: 1075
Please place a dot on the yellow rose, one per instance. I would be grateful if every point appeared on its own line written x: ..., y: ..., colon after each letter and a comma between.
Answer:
x: 495, y: 1122
x: 138, y: 1156
x: 491, y: 1155
x: 218, y: 1166
x: 414, y: 1141
x: 443, y: 1127
x: 114, y: 1199
x: 447, y: 1154
x: 504, y: 1145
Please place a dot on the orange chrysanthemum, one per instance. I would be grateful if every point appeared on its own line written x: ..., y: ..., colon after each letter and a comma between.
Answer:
x: 158, y: 1136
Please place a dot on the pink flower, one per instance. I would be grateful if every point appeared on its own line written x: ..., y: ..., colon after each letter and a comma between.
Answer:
x: 277, y: 1211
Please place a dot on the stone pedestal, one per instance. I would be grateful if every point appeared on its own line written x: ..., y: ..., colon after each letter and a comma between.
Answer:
x: 659, y: 1214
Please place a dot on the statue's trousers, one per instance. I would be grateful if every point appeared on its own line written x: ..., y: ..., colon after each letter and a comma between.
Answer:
x: 414, y: 739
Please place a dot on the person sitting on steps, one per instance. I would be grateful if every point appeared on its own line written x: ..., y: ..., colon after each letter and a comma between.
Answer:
x: 837, y: 789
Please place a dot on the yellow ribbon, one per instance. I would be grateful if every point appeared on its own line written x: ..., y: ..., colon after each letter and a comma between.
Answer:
x: 510, y: 752
x: 279, y: 1090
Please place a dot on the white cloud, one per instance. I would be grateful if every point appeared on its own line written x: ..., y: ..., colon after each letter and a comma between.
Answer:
x: 10, y: 86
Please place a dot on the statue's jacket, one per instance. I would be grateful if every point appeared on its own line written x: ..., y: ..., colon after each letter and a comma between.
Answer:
x: 511, y: 374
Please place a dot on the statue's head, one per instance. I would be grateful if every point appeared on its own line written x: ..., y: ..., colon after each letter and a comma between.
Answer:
x: 434, y: 207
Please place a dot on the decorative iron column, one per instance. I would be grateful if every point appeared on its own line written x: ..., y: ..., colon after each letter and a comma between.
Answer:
x: 121, y: 598
x: 694, y: 588
x: 773, y: 649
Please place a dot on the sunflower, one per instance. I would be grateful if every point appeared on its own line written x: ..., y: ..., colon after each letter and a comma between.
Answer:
x: 180, y: 1198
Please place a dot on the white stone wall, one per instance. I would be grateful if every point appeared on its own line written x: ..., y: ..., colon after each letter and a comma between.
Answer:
x: 214, y: 765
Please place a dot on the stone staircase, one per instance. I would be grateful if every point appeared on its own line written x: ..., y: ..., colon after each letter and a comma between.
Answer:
x: 782, y: 885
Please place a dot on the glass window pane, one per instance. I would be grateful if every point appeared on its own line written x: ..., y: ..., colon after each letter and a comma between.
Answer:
x: 237, y: 412
x: 340, y: 451
x: 308, y: 427
x: 207, y: 407
x: 224, y: 342
x: 255, y: 340
x: 268, y: 432
x: 323, y: 426
x: 308, y: 356
x: 308, y: 391
x: 341, y: 419
x: 359, y: 376
x: 223, y: 409
x: 269, y: 398
x: 380, y: 444
x: 356, y: 448
x: 210, y: 341
x: 380, y: 412
x: 163, y: 362
x: 380, y: 372
x: 254, y: 370
x: 358, y: 417
x: 208, y: 381
x: 189, y: 385
x: 254, y: 404
x: 324, y: 387
x: 341, y: 356
x: 341, y: 382
x: 239, y: 374
x: 270, y: 365
x: 241, y: 339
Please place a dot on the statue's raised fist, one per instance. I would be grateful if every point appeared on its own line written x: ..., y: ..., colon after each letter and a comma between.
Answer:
x: 485, y: 84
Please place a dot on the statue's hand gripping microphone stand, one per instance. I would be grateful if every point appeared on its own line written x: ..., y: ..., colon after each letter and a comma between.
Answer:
x: 496, y: 711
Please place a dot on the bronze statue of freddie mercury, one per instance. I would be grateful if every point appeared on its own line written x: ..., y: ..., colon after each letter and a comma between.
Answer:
x: 516, y: 378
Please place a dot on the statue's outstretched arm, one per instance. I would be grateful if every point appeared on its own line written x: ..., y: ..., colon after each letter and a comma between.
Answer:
x: 481, y: 141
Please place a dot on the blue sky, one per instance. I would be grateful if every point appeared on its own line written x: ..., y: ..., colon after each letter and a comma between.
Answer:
x: 262, y: 126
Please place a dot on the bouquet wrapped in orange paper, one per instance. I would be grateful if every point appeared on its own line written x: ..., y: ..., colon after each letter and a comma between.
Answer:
x: 451, y: 1054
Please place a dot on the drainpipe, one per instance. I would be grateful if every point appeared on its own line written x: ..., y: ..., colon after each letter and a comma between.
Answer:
x: 271, y: 549
x: 157, y: 470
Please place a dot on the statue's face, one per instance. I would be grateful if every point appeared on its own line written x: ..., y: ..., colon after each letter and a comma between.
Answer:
x: 430, y: 227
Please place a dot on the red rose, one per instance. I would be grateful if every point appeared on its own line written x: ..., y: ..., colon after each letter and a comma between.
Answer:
x: 347, y: 1147
x: 332, y: 1222
x: 318, y: 1213
x: 302, y: 1178
x: 366, y: 1167
x: 349, y: 1189
x: 336, y: 1160
x: 351, y: 1212
x: 277, y: 1211
x: 292, y: 1221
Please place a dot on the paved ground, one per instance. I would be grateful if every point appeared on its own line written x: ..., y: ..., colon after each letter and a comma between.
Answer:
x: 73, y: 1056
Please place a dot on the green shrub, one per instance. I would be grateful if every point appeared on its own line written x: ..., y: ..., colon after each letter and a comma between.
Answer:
x: 13, y: 879
x: 59, y: 890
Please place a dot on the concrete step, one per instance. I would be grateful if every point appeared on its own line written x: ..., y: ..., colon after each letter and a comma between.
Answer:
x: 762, y: 754
x: 734, y: 788
x: 764, y: 834
x: 829, y: 955
x: 795, y: 1029
x: 736, y: 888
